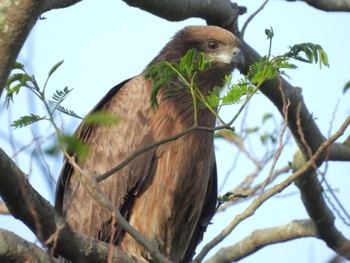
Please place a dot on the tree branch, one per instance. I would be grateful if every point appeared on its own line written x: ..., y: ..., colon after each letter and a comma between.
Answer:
x: 326, y: 5
x: 38, y: 214
x: 11, y: 244
x: 215, y: 12
x: 310, y: 164
x: 17, y: 19
x: 262, y: 238
x: 312, y: 197
x: 57, y: 4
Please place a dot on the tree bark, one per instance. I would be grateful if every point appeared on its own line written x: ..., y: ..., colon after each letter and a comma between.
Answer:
x: 262, y: 238
x: 326, y: 5
x: 17, y: 19
x: 11, y: 244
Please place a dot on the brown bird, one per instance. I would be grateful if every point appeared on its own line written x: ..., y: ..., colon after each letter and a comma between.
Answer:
x: 169, y: 193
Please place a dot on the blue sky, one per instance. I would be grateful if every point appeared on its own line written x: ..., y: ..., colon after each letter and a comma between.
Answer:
x: 103, y: 44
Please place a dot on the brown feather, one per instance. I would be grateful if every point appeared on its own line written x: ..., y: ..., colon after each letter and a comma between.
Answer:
x: 168, y: 194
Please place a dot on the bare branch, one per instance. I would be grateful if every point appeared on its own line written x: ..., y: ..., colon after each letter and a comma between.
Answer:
x: 222, y: 13
x: 250, y: 18
x: 262, y: 238
x: 29, y: 252
x: 326, y: 5
x: 276, y: 189
x: 16, y: 192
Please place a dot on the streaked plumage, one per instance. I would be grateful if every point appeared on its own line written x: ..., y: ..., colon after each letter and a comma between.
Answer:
x: 169, y: 193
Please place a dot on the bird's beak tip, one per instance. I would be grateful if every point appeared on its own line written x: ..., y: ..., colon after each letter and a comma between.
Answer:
x: 238, y: 60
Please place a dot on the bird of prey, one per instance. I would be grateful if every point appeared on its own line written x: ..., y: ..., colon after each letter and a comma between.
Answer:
x: 168, y: 193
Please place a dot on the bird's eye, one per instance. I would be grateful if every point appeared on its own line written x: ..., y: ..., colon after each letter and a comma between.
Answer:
x: 212, y: 45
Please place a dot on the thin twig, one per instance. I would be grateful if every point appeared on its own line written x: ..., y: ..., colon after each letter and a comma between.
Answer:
x: 252, y: 16
x: 285, y: 107
x: 156, y: 144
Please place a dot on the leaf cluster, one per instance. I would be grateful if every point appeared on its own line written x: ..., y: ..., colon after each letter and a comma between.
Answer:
x: 184, y: 73
x: 181, y: 74
x: 21, y: 79
x: 308, y: 53
x: 269, y: 67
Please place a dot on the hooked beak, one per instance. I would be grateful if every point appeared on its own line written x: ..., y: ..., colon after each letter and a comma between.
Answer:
x: 238, y: 60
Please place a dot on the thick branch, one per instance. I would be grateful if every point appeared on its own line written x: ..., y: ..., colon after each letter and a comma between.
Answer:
x: 17, y: 19
x: 11, y: 244
x: 215, y: 12
x: 326, y: 5
x: 262, y: 238
x: 56, y: 4
x: 38, y: 214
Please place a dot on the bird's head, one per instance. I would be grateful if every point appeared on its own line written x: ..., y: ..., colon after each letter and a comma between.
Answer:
x: 218, y: 45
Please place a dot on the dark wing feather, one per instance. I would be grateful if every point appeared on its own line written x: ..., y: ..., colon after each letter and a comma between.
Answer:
x: 208, y: 211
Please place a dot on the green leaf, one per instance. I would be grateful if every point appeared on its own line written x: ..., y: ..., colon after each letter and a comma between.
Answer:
x: 18, y: 65
x: 235, y: 93
x: 27, y: 120
x: 54, y: 68
x: 266, y: 117
x: 346, y: 87
x: 266, y: 137
x: 213, y: 99
x: 251, y: 130
x: 21, y: 77
x: 74, y: 146
x: 101, y: 118
x: 64, y: 110
x: 165, y: 73
x: 61, y: 95
x: 161, y: 74
x: 312, y: 52
x: 57, y: 98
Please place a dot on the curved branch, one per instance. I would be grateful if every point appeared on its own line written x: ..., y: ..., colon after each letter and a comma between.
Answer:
x: 326, y: 5
x: 262, y: 238
x: 215, y: 12
x: 38, y: 214
x: 11, y: 244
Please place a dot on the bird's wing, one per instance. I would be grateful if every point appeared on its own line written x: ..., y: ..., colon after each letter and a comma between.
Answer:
x: 109, y: 146
x: 208, y: 211
x: 81, y: 133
